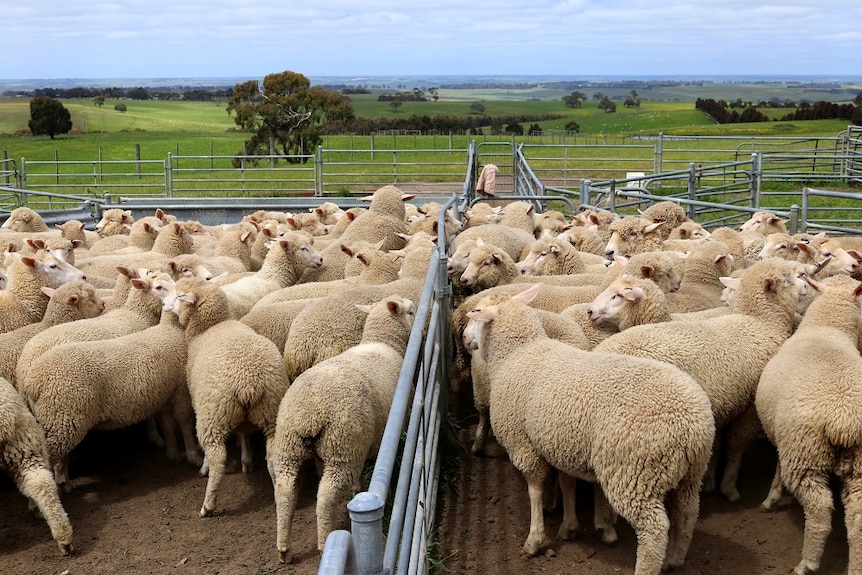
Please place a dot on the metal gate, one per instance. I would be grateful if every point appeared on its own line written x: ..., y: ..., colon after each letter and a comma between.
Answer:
x: 502, y: 155
x: 854, y: 154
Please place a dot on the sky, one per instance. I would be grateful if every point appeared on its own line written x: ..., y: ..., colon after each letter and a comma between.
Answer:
x: 357, y: 38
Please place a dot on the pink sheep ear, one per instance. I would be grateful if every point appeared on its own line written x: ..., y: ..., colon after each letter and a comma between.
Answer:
x: 48, y: 291
x: 730, y: 282
x: 393, y: 307
x: 528, y: 295
x: 633, y: 293
x: 364, y: 308
x: 219, y: 279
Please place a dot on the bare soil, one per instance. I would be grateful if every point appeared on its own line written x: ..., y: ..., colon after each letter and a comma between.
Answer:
x: 133, y: 512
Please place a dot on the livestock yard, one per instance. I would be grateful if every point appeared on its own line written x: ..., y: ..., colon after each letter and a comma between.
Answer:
x: 135, y: 511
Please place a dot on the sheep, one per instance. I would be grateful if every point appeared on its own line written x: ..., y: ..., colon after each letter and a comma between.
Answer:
x: 335, y: 412
x: 140, y: 310
x: 726, y: 354
x: 338, y: 228
x: 383, y: 220
x: 689, y: 230
x: 585, y: 239
x: 627, y: 302
x: 236, y: 377
x: 428, y: 219
x: 75, y: 230
x: 71, y: 301
x: 288, y: 258
x: 779, y: 245
x: 61, y: 248
x: 516, y: 242
x: 552, y: 221
x: 520, y: 215
x: 313, y: 337
x: 763, y: 223
x: 488, y: 266
x: 632, y: 235
x: 24, y: 219
x: 602, y: 219
x: 115, y: 221
x: 480, y: 214
x: 84, y: 385
x: 24, y: 458
x: 809, y: 402
x: 735, y: 243
x: 701, y: 285
x: 172, y: 240
x: 822, y: 248
x: 553, y: 256
x: 640, y: 429
x: 23, y: 302
x: 668, y: 212
x: 141, y: 237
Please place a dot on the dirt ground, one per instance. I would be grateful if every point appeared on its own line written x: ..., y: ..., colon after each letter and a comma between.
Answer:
x: 135, y: 513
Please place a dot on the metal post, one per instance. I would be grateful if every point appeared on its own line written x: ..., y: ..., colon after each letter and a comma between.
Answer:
x: 137, y: 159
x: 692, y: 191
x: 659, y: 155
x: 585, y: 192
x: 794, y: 219
x: 805, y: 194
x: 169, y: 177
x: 754, y: 184
x: 366, y: 518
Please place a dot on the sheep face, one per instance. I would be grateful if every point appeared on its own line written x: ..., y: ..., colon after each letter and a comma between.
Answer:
x: 763, y: 223
x: 605, y: 309
x: 56, y: 271
x: 114, y: 222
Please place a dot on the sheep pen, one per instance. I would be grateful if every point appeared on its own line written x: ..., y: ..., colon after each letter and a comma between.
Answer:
x: 134, y: 512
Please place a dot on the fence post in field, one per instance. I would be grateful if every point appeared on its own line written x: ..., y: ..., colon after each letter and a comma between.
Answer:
x: 659, y: 152
x: 137, y: 160
x: 794, y: 219
x: 169, y: 177
x: 754, y: 183
x: 692, y: 190
x: 371, y: 143
x: 318, y: 169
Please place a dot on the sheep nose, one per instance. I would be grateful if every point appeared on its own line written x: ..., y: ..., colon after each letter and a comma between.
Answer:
x: 589, y: 313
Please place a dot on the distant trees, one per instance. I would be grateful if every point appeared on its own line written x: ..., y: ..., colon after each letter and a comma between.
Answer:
x: 395, y: 104
x: 120, y: 107
x: 574, y: 100
x: 573, y: 126
x: 608, y: 105
x: 98, y: 100
x: 718, y: 109
x: 477, y: 108
x: 435, y: 95
x: 515, y: 129
x: 49, y: 116
x: 287, y: 113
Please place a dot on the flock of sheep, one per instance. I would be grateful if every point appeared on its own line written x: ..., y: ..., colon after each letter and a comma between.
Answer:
x: 630, y: 352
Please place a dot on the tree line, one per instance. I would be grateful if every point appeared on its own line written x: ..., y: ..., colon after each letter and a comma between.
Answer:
x: 198, y: 94
x: 738, y: 111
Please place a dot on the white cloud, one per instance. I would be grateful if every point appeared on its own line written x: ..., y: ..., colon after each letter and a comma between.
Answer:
x: 156, y: 38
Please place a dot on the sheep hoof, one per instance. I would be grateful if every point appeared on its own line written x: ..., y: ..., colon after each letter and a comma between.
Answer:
x: 195, y: 459
x: 206, y: 512
x: 732, y: 495
x: 609, y: 535
x: 66, y: 549
x: 285, y: 556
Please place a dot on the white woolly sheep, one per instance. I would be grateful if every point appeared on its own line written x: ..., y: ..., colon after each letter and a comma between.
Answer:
x: 24, y: 458
x: 726, y: 354
x: 763, y: 223
x: 627, y: 302
x: 110, y: 384
x: 810, y: 404
x: 140, y: 310
x: 515, y: 242
x: 633, y: 235
x: 668, y: 212
x: 520, y: 215
x: 24, y: 219
x: 288, y: 258
x: 335, y: 412
x: 585, y: 239
x: 69, y: 302
x: 640, y: 429
x: 701, y: 285
x: 75, y: 230
x: 236, y: 378
x: 689, y: 230
x: 551, y: 221
x: 553, y: 256
x: 313, y: 336
x: 383, y: 220
x: 23, y: 302
x: 115, y: 221
x: 482, y: 213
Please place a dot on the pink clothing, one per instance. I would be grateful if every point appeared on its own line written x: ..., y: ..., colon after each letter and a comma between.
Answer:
x: 487, y: 180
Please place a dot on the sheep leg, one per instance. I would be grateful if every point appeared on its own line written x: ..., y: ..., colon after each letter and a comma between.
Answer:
x: 481, y: 437
x: 245, y: 452
x: 712, y: 468
x: 335, y: 485
x: 286, y: 483
x: 776, y: 491
x: 216, y: 458
x: 740, y: 434
x: 39, y: 487
x: 651, y: 523
x: 604, y: 516
x: 812, y: 490
x: 569, y: 526
x: 169, y: 427
x: 153, y: 434
x: 851, y: 495
x: 187, y: 428
x: 684, y: 506
x: 536, y: 539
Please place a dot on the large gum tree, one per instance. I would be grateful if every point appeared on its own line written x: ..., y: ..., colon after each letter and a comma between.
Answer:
x: 286, y: 115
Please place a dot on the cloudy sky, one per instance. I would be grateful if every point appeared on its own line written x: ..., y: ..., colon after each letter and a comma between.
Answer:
x: 579, y: 38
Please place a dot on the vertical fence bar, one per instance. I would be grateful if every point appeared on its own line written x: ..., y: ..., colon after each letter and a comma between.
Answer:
x: 692, y: 189
x: 137, y: 160
x: 169, y: 177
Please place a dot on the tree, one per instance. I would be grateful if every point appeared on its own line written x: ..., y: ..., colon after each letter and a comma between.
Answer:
x: 288, y: 111
x: 477, y: 108
x: 120, y: 107
x: 573, y: 126
x: 514, y: 128
x: 395, y: 104
x: 98, y: 100
x: 49, y: 117
x: 434, y: 94
x: 607, y: 105
x: 574, y: 100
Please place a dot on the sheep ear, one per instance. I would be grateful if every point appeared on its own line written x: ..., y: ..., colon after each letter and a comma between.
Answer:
x: 347, y: 250
x: 379, y: 245
x: 393, y: 306
x: 555, y: 248
x: 652, y: 227
x: 730, y: 282
x: 857, y: 291
x: 497, y: 257
x: 219, y: 279
x: 633, y: 293
x: 528, y: 295
x: 48, y: 291
x: 140, y: 284
x: 187, y: 297
x: 77, y: 244
x: 365, y: 261
x: 814, y: 283
x: 36, y: 243
x: 407, y: 197
x: 364, y: 308
x: 719, y: 258
x: 32, y: 262
x: 483, y: 314
x: 647, y: 272
x: 126, y: 272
